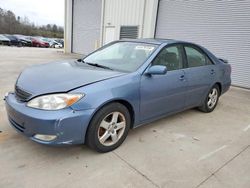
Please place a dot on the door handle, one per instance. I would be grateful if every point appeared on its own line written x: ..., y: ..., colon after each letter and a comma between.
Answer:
x: 212, y: 71
x: 182, y: 77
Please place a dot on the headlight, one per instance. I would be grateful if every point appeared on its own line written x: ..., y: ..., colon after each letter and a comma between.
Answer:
x: 54, y: 101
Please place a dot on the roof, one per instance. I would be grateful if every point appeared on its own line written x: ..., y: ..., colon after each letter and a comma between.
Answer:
x: 153, y: 40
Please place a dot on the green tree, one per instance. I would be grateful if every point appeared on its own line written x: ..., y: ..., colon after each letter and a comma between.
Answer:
x: 10, y: 24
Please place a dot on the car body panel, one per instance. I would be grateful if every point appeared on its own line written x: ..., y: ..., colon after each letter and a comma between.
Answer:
x: 24, y: 41
x: 122, y: 88
x: 37, y: 42
x: 61, y: 77
x: 13, y: 40
x: 4, y: 40
x: 199, y: 81
x: 147, y: 97
x: 67, y: 124
x: 160, y: 96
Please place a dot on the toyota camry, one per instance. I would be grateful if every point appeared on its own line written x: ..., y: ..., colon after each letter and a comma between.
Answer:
x: 96, y: 100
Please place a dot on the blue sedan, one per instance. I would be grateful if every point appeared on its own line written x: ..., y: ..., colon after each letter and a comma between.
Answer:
x: 98, y: 99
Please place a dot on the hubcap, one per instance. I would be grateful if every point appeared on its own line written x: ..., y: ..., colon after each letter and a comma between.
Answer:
x: 111, y: 128
x: 212, y: 98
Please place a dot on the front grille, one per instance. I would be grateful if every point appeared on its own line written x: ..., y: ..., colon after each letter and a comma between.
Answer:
x: 21, y: 94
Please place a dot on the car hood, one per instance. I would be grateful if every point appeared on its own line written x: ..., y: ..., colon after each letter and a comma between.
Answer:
x: 61, y: 77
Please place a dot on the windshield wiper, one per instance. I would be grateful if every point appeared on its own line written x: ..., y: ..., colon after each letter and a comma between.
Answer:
x: 80, y: 60
x: 98, y: 65
x: 95, y: 64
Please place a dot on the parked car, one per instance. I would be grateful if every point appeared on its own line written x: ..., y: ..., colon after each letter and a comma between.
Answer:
x: 57, y: 45
x: 4, y: 40
x: 125, y: 84
x: 13, y: 40
x: 53, y: 43
x: 61, y: 41
x: 38, y: 42
x: 24, y: 40
x: 48, y: 40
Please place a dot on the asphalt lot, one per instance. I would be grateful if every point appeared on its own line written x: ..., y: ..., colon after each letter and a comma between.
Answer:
x: 189, y: 149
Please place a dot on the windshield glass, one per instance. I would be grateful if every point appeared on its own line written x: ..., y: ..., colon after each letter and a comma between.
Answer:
x: 122, y: 56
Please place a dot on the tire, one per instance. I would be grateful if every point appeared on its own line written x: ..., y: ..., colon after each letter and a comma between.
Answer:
x: 211, y: 100
x: 115, y: 132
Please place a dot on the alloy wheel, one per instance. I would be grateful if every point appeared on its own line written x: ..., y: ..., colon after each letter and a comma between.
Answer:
x: 212, y: 98
x: 111, y: 128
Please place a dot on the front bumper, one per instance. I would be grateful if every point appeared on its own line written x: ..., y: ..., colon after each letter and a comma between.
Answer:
x: 67, y: 125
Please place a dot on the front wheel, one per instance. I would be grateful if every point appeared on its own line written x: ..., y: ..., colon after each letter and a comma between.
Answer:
x: 108, y: 128
x: 211, y: 100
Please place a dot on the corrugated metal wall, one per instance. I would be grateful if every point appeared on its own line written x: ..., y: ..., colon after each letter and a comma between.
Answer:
x: 86, y: 25
x: 128, y: 12
x: 221, y: 26
x: 123, y: 12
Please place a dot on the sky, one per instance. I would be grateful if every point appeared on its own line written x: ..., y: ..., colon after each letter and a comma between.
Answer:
x: 41, y: 12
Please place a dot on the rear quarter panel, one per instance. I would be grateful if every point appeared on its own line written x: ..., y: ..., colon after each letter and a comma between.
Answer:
x: 223, y: 71
x: 224, y: 76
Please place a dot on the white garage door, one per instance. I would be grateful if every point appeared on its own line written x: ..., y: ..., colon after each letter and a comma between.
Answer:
x: 86, y: 25
x: 221, y: 26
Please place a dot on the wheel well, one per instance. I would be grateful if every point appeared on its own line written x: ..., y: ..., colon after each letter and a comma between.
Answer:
x: 126, y: 104
x: 130, y: 109
x: 123, y: 102
x: 219, y: 85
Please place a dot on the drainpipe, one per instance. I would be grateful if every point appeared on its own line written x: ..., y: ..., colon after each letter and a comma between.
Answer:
x: 68, y: 25
x: 65, y: 25
x: 156, y: 17
x: 102, y: 22
x: 143, y: 18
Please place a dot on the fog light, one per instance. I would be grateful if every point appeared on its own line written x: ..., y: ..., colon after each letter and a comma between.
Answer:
x: 6, y: 94
x: 45, y: 137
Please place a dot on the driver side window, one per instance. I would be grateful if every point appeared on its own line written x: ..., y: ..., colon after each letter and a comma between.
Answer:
x: 170, y: 57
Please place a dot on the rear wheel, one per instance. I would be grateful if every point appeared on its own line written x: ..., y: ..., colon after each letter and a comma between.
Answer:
x: 211, y: 100
x: 108, y: 128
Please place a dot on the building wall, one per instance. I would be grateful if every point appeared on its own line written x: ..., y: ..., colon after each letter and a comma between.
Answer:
x: 141, y: 13
x: 221, y: 26
x: 84, y: 31
x: 86, y: 25
x: 150, y: 18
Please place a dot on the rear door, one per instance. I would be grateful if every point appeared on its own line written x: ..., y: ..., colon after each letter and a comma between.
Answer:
x: 163, y: 94
x: 200, y: 74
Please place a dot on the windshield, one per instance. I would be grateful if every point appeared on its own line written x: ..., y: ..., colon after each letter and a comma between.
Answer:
x: 122, y: 56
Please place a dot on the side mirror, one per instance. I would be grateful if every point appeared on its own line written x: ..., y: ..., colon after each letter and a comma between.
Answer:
x: 157, y: 70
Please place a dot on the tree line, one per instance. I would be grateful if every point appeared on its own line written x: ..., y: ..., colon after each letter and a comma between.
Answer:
x: 12, y: 24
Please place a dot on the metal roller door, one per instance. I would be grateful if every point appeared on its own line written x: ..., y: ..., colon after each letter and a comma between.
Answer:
x: 221, y: 26
x: 86, y: 25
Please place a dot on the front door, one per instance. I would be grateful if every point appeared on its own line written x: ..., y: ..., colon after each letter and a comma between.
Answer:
x: 164, y: 94
x: 109, y: 34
